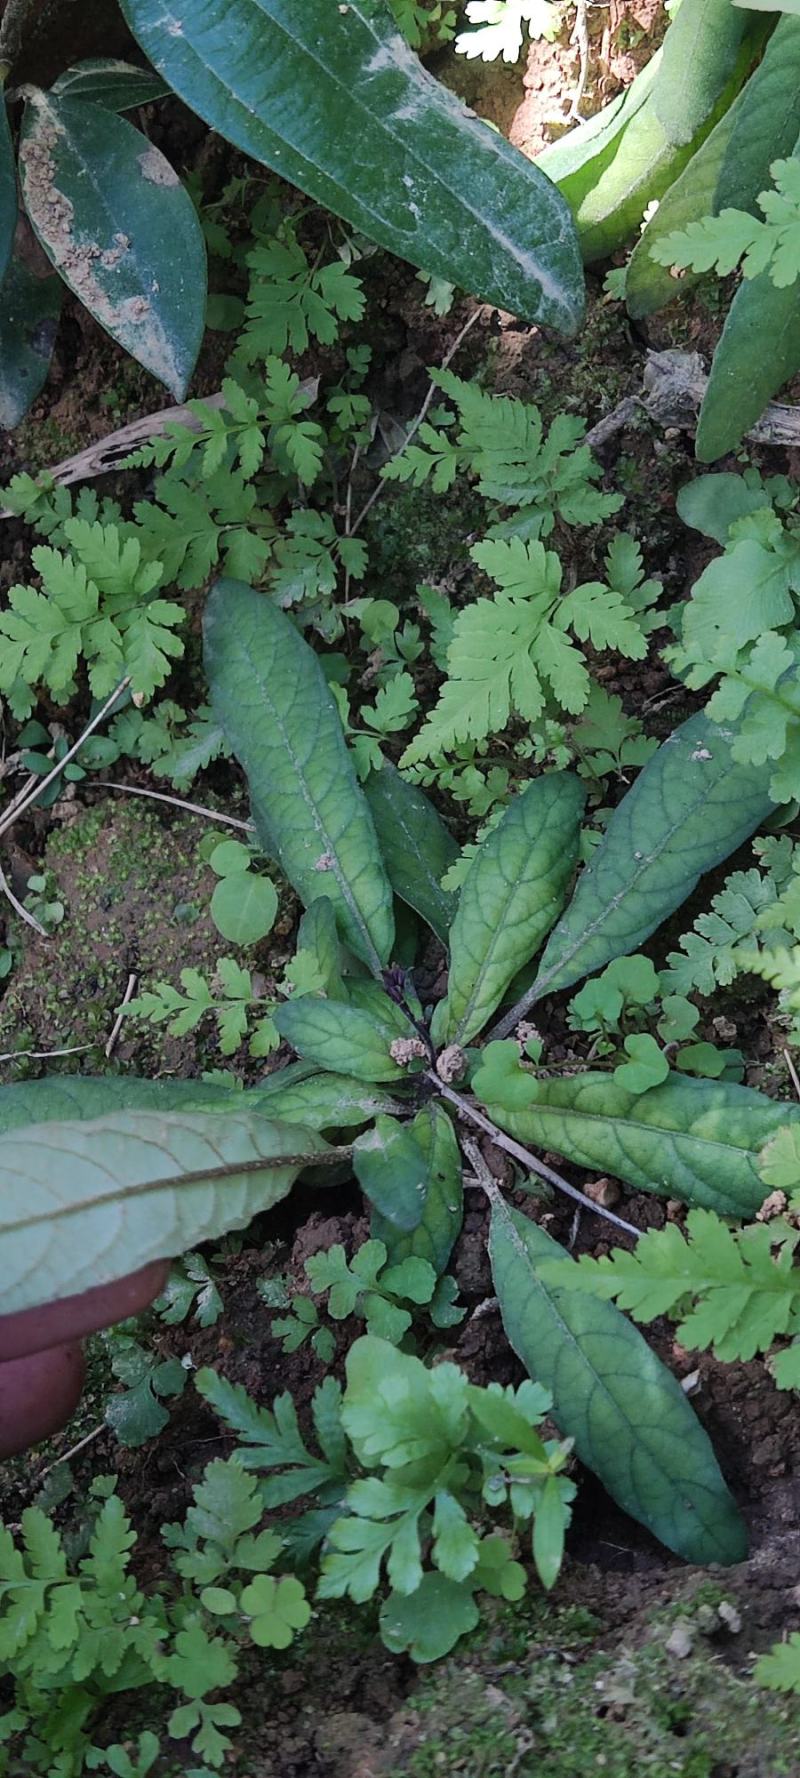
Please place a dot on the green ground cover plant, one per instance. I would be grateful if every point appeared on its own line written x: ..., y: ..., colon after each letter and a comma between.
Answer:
x: 440, y: 777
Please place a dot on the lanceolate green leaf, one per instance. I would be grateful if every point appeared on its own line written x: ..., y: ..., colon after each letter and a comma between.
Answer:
x: 766, y: 122
x: 117, y: 224
x: 652, y: 153
x: 697, y: 1140
x: 649, y: 286
x: 84, y: 1203
x: 690, y: 807
x: 269, y: 693
x: 758, y: 352
x: 629, y: 1417
x: 515, y: 888
x: 342, y: 1037
x: 435, y: 1235
x: 699, y: 55
x: 29, y: 311
x: 416, y: 846
x: 8, y: 191
x: 334, y: 100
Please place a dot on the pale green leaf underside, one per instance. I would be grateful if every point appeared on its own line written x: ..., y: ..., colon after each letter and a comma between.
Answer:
x: 332, y: 98
x: 84, y: 1203
x: 696, y: 1140
x: 690, y: 807
x: 118, y: 225
x: 68, y: 1097
x: 628, y: 1415
x: 269, y: 693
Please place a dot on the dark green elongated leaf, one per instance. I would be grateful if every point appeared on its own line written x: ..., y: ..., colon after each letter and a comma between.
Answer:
x: 515, y: 888
x: 699, y: 55
x: 690, y: 807
x: 300, y: 1095
x: 649, y: 286
x: 341, y: 1037
x: 417, y: 848
x: 82, y: 1203
x: 436, y: 1233
x: 628, y: 1415
x: 29, y: 311
x: 391, y: 1169
x: 105, y: 80
x: 269, y: 693
x: 697, y: 1140
x: 767, y: 120
x: 68, y: 1097
x: 8, y: 192
x: 116, y: 222
x: 337, y: 103
x: 758, y: 352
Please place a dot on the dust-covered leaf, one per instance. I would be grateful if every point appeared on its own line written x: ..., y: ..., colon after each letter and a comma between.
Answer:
x: 118, y: 225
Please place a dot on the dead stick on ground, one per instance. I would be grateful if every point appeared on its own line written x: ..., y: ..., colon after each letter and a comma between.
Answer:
x: 120, y: 1018
x: 177, y: 802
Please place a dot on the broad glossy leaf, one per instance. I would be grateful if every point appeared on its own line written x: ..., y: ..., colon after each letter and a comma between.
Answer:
x: 336, y: 102
x: 8, y: 191
x: 767, y: 120
x: 436, y: 1233
x: 343, y: 1038
x: 758, y: 352
x: 85, y: 1202
x: 628, y: 1415
x: 67, y: 1097
x: 515, y: 888
x: 300, y: 1095
x: 690, y: 807
x: 269, y: 693
x: 29, y: 311
x: 697, y: 1140
x: 417, y: 848
x: 699, y: 55
x: 116, y: 222
x: 108, y: 81
x: 391, y: 1169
